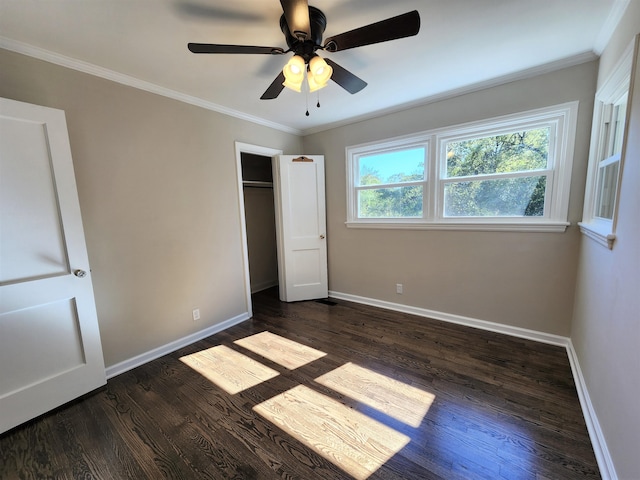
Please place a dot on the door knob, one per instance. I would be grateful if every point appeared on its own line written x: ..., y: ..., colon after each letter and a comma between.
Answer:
x: 322, y: 236
x: 80, y: 273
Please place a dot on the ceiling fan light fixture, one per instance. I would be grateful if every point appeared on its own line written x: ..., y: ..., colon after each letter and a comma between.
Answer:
x: 294, y: 72
x: 314, y: 84
x: 303, y: 27
x: 319, y: 70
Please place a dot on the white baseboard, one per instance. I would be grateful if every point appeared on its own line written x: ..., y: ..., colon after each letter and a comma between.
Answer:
x: 460, y: 320
x: 605, y: 462
x: 143, y: 358
x: 603, y: 457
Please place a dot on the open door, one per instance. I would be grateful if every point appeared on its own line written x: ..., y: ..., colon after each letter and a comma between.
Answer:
x: 301, y: 227
x: 50, y: 349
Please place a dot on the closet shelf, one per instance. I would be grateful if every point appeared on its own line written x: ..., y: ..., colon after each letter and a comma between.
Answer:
x: 257, y: 183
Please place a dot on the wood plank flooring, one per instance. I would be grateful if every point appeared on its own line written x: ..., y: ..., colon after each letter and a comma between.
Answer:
x: 316, y: 391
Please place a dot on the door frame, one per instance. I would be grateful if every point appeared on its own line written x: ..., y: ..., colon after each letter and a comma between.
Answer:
x: 241, y: 148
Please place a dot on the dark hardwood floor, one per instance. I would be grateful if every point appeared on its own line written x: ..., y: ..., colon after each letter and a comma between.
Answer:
x: 331, y: 392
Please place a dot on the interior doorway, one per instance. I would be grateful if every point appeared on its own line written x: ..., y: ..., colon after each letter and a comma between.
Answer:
x: 257, y: 217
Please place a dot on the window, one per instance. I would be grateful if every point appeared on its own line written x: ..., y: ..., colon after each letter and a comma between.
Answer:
x: 501, y: 175
x: 609, y: 166
x: 391, y: 183
x: 605, y: 158
x: 507, y: 173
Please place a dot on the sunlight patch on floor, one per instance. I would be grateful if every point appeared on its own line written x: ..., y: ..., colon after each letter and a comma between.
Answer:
x: 280, y: 350
x: 228, y: 369
x: 356, y: 443
x: 403, y: 402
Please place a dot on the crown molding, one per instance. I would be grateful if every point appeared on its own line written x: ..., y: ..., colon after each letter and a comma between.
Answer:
x: 611, y: 23
x: 97, y: 71
x: 476, y: 87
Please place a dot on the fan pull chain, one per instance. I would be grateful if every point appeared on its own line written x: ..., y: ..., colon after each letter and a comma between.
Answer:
x: 318, y: 104
x: 306, y: 99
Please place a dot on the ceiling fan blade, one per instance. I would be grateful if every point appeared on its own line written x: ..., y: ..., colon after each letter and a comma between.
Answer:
x: 274, y: 89
x: 345, y: 78
x: 405, y: 25
x: 214, y: 48
x: 296, y: 12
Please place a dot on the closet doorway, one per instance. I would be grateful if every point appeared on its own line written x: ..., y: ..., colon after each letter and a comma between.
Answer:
x: 258, y: 220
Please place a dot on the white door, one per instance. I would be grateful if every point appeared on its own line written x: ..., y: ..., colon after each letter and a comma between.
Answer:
x: 301, y: 227
x: 50, y: 350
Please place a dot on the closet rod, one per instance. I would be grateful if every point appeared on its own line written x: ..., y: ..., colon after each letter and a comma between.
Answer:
x: 257, y: 183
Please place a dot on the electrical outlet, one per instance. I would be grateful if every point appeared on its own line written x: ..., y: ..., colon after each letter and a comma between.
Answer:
x: 196, y: 314
x: 399, y: 288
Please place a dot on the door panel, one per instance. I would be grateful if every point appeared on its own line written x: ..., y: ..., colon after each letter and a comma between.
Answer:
x: 50, y: 350
x: 57, y: 323
x: 301, y: 223
x: 28, y: 202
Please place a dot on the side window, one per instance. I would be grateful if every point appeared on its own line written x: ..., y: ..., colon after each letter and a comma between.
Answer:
x: 606, y: 155
x: 609, y: 165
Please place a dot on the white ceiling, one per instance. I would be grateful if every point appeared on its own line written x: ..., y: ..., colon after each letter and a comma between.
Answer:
x: 462, y: 44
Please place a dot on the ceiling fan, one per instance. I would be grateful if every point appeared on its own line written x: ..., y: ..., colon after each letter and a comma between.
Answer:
x: 303, y: 27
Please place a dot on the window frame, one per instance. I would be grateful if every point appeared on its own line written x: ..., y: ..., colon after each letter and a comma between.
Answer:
x: 614, y: 88
x: 562, y: 120
x: 396, y: 144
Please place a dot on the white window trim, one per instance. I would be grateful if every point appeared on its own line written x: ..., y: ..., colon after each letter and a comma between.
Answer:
x: 603, y: 231
x: 563, y: 116
x: 404, y: 142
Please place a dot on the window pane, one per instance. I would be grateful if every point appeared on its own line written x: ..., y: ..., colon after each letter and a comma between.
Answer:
x: 512, y: 197
x: 402, y: 202
x: 392, y: 167
x: 514, y: 152
x: 619, y: 114
x: 607, y: 186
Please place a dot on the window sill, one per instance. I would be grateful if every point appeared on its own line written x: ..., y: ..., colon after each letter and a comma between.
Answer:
x: 557, y: 227
x: 598, y: 233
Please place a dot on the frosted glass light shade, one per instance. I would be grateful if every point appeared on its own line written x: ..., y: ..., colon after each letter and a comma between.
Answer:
x: 320, y: 70
x: 319, y: 74
x: 294, y: 72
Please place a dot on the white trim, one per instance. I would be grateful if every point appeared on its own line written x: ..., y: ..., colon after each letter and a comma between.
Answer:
x: 572, y: 61
x: 256, y: 150
x: 611, y: 90
x: 546, y: 227
x: 95, y: 70
x: 519, y: 332
x: 561, y: 120
x: 603, y: 236
x: 610, y: 25
x: 598, y: 441
x: 58, y: 59
x: 146, y: 357
x: 603, y: 457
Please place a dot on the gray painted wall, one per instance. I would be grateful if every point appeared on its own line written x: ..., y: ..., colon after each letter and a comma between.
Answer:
x: 158, y: 192
x: 606, y: 321
x: 519, y: 279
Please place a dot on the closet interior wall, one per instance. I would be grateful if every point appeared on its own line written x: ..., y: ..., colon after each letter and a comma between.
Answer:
x: 257, y: 181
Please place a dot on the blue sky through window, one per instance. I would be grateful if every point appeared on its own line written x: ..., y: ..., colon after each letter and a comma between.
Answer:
x: 410, y: 161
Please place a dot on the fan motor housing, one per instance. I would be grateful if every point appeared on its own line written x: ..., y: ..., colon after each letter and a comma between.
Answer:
x: 306, y: 48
